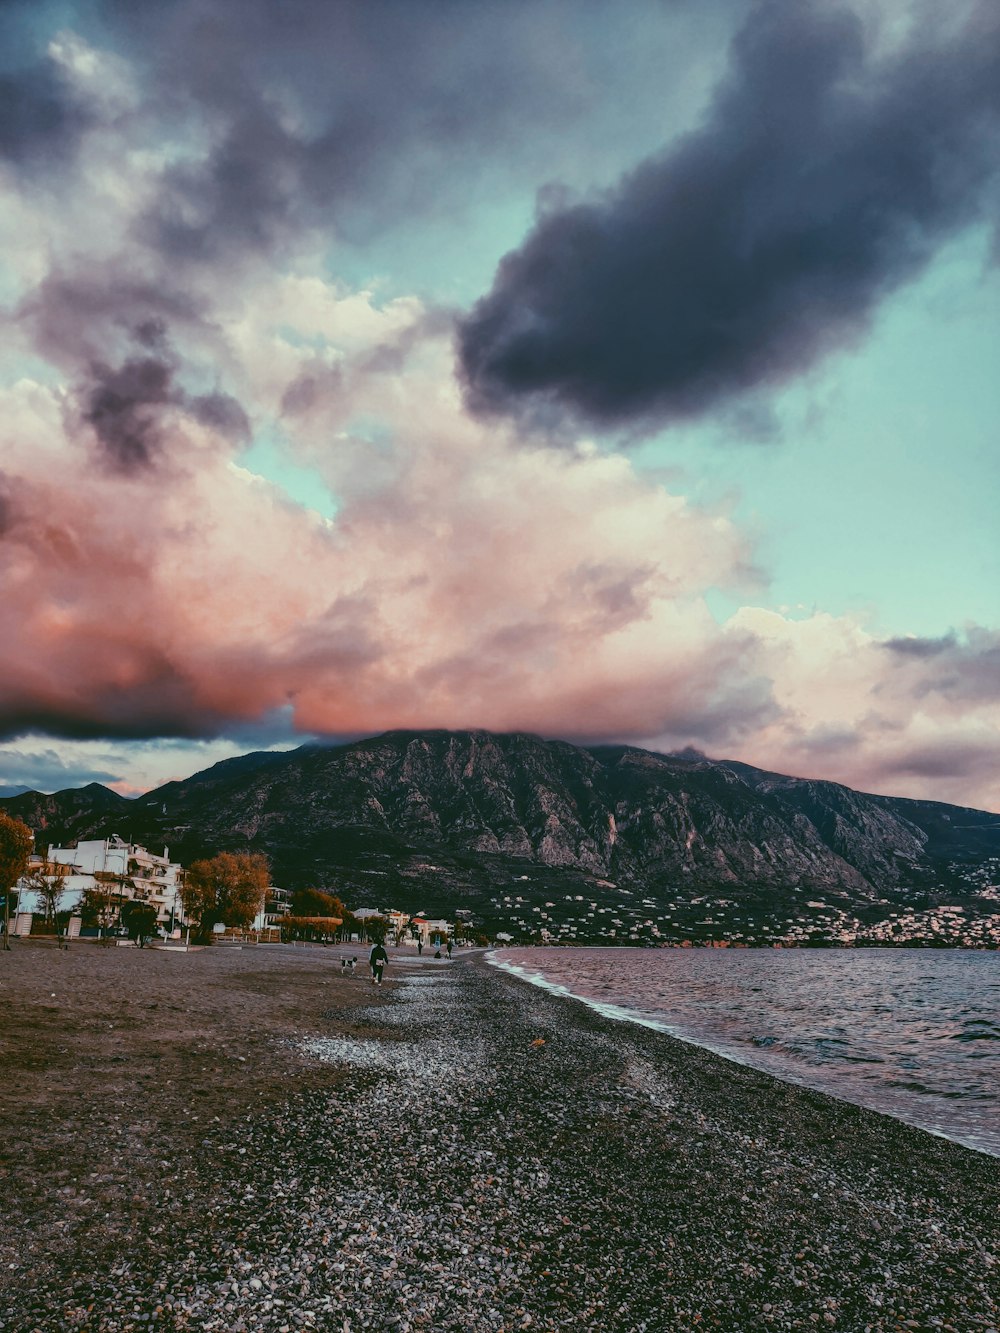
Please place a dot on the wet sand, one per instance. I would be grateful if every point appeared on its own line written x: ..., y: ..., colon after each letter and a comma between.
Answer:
x: 243, y: 1140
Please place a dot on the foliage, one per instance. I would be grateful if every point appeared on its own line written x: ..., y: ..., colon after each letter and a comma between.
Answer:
x: 98, y: 907
x: 310, y: 927
x: 372, y: 928
x: 139, y: 919
x: 314, y: 902
x: 49, y: 889
x: 228, y: 888
x: 16, y: 842
x: 351, y: 926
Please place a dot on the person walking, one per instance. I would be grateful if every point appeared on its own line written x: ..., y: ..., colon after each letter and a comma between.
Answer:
x: 449, y: 947
x: 377, y: 959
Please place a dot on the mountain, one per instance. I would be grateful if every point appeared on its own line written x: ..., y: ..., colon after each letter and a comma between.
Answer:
x: 435, y: 820
x: 62, y: 813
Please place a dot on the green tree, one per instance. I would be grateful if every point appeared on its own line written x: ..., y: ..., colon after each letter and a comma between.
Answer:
x: 16, y: 842
x: 139, y: 919
x: 228, y: 888
x: 376, y: 928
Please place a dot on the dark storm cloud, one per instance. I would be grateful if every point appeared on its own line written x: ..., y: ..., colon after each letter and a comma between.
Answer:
x: 40, y: 117
x: 334, y: 112
x: 125, y: 406
x: 825, y: 175
x: 6, y: 506
x: 943, y: 759
x: 163, y: 703
x: 966, y: 669
x: 917, y: 647
x: 76, y: 316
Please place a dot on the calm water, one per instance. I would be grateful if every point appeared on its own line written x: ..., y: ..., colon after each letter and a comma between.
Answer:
x: 915, y: 1033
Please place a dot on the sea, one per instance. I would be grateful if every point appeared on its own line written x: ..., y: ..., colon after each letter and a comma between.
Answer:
x: 913, y: 1033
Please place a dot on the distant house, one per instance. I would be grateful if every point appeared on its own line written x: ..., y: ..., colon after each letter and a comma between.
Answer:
x: 277, y: 905
x: 429, y: 930
x: 398, y: 921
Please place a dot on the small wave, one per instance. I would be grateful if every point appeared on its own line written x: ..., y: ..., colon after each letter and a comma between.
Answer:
x: 916, y: 1056
x: 911, y: 1085
x: 979, y: 1029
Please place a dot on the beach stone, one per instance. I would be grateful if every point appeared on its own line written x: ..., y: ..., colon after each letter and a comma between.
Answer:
x: 445, y: 1176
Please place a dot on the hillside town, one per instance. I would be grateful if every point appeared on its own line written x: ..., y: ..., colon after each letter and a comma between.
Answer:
x: 94, y: 889
x: 619, y: 915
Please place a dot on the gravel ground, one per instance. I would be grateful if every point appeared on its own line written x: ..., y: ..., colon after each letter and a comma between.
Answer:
x: 460, y: 1151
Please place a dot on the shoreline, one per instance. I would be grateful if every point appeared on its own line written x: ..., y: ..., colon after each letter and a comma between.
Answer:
x: 458, y: 1150
x: 618, y: 1014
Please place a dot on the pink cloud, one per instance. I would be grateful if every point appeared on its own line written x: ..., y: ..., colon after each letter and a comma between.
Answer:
x: 471, y: 577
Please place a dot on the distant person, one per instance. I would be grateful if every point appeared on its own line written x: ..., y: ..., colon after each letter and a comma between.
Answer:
x: 420, y: 946
x: 377, y: 959
x: 449, y: 948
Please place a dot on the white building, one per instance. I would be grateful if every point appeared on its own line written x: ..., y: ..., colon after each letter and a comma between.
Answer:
x: 277, y: 905
x: 30, y: 903
x: 124, y: 869
x: 431, y: 931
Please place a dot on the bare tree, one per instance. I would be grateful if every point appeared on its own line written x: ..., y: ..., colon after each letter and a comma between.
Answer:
x: 48, y: 883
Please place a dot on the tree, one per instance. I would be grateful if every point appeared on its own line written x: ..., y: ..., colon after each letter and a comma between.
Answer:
x: 98, y: 908
x: 139, y: 919
x: 374, y: 928
x: 49, y: 888
x: 228, y: 888
x: 16, y: 842
x: 314, y: 902
x: 309, y: 927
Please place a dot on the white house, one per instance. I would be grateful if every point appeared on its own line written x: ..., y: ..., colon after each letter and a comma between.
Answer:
x: 126, y: 870
x: 431, y: 930
x: 30, y: 902
x: 277, y: 905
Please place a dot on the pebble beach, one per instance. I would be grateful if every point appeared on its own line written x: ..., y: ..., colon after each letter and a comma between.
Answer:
x: 253, y: 1140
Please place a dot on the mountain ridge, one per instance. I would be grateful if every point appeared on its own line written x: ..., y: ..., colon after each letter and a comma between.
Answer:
x: 434, y: 818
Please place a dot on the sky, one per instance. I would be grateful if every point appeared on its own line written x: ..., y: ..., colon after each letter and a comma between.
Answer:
x: 613, y: 373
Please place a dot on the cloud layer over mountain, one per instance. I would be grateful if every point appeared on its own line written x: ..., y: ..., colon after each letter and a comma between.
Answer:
x: 240, y: 482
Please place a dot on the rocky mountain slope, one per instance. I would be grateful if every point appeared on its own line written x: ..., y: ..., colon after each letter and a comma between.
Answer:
x: 431, y: 820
